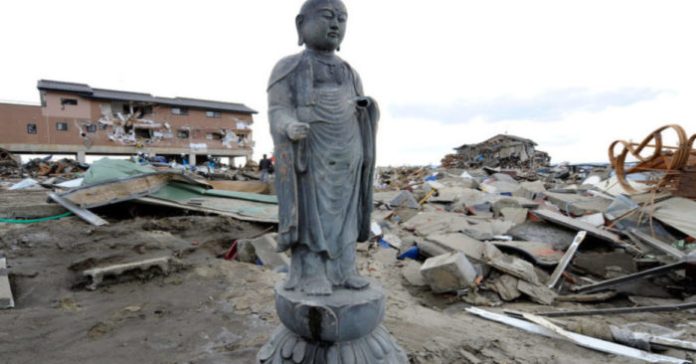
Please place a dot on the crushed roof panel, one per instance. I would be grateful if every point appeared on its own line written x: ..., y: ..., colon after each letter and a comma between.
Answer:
x: 122, y: 95
x: 206, y: 104
x: 63, y: 86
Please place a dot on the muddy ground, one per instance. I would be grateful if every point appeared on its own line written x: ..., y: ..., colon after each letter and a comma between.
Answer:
x: 213, y: 310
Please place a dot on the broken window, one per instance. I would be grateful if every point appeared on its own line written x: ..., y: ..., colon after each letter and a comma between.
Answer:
x: 143, y: 110
x: 143, y: 133
x: 43, y: 99
x: 179, y: 111
x: 91, y: 128
x: 138, y: 111
x: 62, y: 126
x: 31, y: 128
x: 105, y: 109
x: 213, y: 136
x: 65, y: 101
x: 183, y: 134
x: 212, y: 114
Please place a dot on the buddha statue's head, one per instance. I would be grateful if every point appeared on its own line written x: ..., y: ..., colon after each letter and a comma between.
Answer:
x: 321, y: 24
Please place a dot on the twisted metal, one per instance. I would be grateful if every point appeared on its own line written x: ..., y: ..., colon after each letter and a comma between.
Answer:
x: 667, y: 159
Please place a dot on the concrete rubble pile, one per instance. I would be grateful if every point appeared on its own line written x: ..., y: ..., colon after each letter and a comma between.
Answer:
x: 516, y: 231
x: 9, y: 164
x: 557, y: 237
x: 43, y: 167
x: 504, y: 151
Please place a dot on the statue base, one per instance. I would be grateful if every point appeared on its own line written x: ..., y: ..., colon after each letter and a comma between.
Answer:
x: 344, y: 327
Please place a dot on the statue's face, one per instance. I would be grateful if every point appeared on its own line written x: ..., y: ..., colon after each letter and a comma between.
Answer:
x: 323, y: 26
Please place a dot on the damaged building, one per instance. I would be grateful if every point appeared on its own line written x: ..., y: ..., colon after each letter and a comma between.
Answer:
x: 74, y: 118
x: 502, y: 150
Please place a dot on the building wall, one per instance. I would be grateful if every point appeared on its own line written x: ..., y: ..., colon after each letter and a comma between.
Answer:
x: 85, y: 132
x: 52, y: 106
x: 14, y: 119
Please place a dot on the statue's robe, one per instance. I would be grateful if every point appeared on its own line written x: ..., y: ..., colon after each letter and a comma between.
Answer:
x: 323, y: 182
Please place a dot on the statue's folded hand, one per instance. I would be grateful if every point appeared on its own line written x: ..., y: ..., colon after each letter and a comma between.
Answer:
x: 363, y: 101
x: 297, y: 130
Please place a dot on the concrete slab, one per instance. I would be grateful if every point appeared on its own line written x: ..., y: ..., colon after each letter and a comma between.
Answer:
x: 448, y: 272
x: 265, y: 248
x: 427, y: 223
x: 471, y: 247
x: 537, y: 293
x: 6, y: 299
x: 578, y: 205
x: 506, y: 287
x: 98, y: 274
x: 514, y: 215
x: 513, y: 266
x: 27, y: 205
x: 411, y: 272
x: 543, y: 232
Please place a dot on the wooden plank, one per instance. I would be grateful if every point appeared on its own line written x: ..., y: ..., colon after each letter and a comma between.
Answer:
x: 543, y: 327
x: 221, y: 212
x: 27, y: 204
x: 658, y: 244
x: 578, y: 225
x: 82, y: 213
x: 123, y: 189
x: 242, y: 186
x: 620, y: 310
x: 561, y: 267
x: 97, y: 275
x: 6, y: 299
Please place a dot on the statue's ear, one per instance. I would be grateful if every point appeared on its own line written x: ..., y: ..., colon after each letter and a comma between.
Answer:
x: 298, y: 24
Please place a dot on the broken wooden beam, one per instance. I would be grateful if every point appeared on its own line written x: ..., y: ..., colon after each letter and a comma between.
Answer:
x: 567, y: 257
x: 579, y: 225
x: 540, y: 326
x: 6, y: 299
x: 620, y: 310
x: 652, y: 272
x: 82, y: 213
x: 97, y: 275
x: 124, y: 189
x: 657, y: 244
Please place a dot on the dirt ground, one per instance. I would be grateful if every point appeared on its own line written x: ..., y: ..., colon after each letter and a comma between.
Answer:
x: 216, y: 311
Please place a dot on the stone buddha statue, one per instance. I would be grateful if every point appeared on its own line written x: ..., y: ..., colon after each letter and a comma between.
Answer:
x: 323, y: 129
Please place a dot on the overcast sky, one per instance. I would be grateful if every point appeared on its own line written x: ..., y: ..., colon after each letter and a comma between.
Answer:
x: 571, y: 75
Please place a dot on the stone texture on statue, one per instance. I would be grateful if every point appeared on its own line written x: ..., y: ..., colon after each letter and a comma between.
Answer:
x: 343, y: 316
x: 344, y: 327
x: 323, y: 129
x: 324, y: 133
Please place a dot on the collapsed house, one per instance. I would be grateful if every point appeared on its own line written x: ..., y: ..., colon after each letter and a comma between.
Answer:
x: 502, y: 150
x: 75, y: 118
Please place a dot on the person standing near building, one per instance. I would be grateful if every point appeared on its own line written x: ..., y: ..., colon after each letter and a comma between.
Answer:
x: 265, y: 166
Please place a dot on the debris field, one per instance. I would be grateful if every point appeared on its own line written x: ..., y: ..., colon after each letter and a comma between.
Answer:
x: 512, y: 261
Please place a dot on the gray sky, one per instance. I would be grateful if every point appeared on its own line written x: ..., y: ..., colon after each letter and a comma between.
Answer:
x: 571, y: 75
